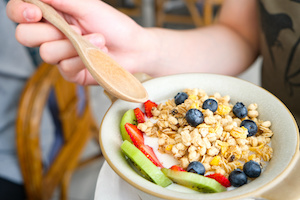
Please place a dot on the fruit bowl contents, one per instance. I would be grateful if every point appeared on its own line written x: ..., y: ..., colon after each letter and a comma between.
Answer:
x: 216, y: 145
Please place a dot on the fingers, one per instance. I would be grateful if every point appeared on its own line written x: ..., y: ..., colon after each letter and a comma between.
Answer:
x: 71, y: 67
x: 69, y: 63
x: 73, y: 70
x: 33, y: 34
x: 22, y: 12
x: 55, y: 51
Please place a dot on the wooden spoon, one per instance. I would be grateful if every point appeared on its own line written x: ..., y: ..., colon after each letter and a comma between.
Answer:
x: 106, y: 71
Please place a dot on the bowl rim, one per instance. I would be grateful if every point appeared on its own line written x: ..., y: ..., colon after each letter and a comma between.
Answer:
x: 260, y: 190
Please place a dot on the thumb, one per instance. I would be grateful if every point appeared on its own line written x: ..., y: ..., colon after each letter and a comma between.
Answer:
x: 21, y: 12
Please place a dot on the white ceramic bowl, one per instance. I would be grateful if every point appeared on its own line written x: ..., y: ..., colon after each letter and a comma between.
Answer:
x: 285, y: 141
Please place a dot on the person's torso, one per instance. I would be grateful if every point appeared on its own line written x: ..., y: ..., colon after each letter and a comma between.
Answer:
x: 280, y: 47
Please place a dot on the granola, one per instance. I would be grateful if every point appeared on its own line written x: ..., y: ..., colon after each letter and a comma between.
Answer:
x: 220, y: 143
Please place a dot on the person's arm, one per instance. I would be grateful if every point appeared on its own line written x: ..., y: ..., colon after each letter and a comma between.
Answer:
x: 227, y: 47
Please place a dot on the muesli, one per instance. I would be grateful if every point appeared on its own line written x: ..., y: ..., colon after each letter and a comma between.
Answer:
x: 210, y: 136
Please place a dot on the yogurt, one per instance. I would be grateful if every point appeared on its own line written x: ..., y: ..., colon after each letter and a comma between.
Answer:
x: 166, y: 160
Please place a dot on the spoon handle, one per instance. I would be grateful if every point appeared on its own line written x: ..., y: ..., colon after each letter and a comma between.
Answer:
x: 52, y: 16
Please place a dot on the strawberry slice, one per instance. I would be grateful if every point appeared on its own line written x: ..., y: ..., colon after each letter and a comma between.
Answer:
x: 135, y: 134
x: 177, y: 168
x: 148, y: 108
x: 149, y: 153
x: 220, y: 178
x: 139, y: 115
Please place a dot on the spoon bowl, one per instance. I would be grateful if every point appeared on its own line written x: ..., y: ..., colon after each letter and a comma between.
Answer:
x: 106, y: 71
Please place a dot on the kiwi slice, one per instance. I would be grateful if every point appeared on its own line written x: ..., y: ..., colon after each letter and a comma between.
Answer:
x: 137, y: 169
x: 128, y: 117
x: 145, y: 167
x: 194, y: 181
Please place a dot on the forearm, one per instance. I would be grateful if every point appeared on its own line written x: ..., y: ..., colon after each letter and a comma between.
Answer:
x: 213, y: 49
x: 228, y: 47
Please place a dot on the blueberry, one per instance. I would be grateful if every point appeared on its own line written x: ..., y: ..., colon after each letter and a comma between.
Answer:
x: 210, y: 104
x: 196, y: 167
x: 240, y: 110
x: 252, y: 169
x: 251, y: 126
x: 194, y: 117
x: 237, y: 178
x: 180, y: 98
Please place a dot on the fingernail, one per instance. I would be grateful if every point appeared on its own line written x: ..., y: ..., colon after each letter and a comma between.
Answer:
x: 29, y: 15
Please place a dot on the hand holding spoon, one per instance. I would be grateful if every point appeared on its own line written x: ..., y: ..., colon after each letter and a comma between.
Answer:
x: 106, y: 71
